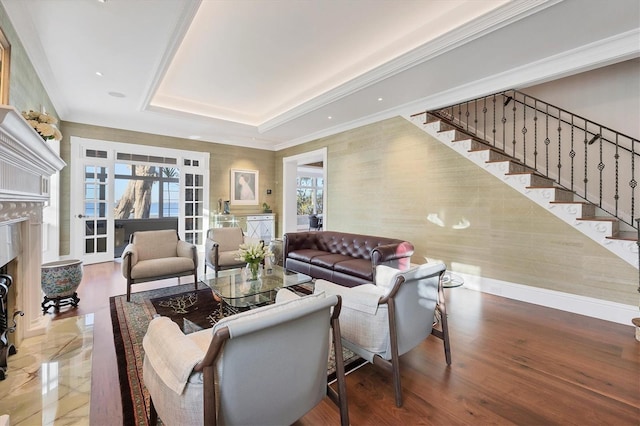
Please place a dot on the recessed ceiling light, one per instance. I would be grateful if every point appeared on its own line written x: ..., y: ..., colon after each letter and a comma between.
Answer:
x: 98, y: 73
x: 329, y: 117
x: 379, y: 99
x: 195, y: 137
x: 117, y: 95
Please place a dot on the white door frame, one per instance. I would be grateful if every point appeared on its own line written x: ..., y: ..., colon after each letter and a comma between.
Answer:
x: 77, y: 198
x: 289, y: 189
x: 78, y: 144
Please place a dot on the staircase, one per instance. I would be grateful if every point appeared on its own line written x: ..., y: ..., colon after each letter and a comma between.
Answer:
x: 522, y: 171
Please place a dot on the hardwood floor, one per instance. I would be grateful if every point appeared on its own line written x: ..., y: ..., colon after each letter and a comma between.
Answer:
x: 513, y: 363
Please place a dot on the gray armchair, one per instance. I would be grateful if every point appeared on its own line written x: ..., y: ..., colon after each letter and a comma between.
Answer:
x: 222, y: 247
x: 156, y: 255
x: 266, y: 366
x: 382, y: 321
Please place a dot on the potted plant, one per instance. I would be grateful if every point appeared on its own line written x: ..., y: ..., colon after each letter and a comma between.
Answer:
x: 266, y: 208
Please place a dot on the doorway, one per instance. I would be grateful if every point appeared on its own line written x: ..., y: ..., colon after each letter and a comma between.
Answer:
x: 290, y: 189
x: 175, y: 181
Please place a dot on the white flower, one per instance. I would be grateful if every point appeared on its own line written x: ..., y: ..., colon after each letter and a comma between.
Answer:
x: 43, y: 123
x: 252, y: 253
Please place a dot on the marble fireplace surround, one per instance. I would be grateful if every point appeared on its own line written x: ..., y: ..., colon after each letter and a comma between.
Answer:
x: 27, y: 163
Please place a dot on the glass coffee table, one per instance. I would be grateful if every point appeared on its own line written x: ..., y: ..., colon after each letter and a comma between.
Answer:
x: 233, y: 287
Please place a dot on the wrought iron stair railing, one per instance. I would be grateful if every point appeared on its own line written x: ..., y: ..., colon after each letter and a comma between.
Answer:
x: 595, y: 162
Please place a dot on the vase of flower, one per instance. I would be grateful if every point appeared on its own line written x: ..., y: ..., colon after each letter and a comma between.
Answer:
x: 252, y: 270
x: 254, y: 255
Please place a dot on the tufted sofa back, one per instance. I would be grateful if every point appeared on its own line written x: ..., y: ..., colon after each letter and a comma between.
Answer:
x: 353, y: 245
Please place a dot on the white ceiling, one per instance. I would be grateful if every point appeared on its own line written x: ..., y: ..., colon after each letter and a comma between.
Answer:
x: 275, y: 73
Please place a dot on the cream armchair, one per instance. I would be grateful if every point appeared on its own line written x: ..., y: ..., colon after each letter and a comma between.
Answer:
x: 222, y: 247
x: 156, y: 255
x: 382, y: 321
x: 267, y: 366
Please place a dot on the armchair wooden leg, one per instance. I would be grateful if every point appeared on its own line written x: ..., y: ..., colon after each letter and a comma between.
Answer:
x: 128, y: 291
x: 209, y: 397
x: 395, y: 358
x: 445, y: 332
x: 153, y: 414
x: 341, y: 398
x: 441, y: 317
x: 195, y: 279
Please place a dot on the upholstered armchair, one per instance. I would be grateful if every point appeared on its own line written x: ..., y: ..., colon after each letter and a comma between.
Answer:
x: 266, y: 366
x: 156, y: 255
x: 222, y: 247
x: 383, y: 320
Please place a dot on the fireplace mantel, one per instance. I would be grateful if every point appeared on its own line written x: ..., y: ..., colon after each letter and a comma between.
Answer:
x: 27, y: 160
x: 27, y: 163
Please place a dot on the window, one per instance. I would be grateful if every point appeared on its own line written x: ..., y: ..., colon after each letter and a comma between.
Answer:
x: 144, y: 191
x: 310, y: 191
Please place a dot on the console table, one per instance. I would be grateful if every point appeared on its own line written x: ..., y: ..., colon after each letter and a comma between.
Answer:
x: 254, y: 225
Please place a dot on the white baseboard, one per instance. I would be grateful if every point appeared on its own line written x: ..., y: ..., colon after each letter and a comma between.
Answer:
x: 589, y: 306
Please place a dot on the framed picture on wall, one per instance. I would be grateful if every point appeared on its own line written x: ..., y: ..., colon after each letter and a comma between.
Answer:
x: 244, y: 187
x: 5, y: 58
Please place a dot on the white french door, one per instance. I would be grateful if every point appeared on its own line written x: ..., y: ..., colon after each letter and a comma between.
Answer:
x: 93, y: 201
x: 91, y: 218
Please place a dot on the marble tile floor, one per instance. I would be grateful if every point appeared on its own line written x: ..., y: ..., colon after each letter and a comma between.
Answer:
x: 49, y: 379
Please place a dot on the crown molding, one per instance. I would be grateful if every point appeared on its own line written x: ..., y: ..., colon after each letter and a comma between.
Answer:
x: 605, y: 52
x: 615, y: 49
x: 492, y: 21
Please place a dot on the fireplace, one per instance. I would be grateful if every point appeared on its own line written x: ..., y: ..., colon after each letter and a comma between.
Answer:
x: 7, y: 322
x: 26, y: 165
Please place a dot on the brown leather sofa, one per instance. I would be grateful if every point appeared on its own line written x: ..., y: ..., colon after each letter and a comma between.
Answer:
x: 342, y: 258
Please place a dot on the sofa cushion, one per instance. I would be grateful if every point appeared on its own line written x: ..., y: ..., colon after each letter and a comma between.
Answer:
x: 356, y: 267
x: 305, y: 255
x: 156, y: 244
x: 161, y: 267
x: 228, y: 258
x: 229, y: 239
x: 329, y: 260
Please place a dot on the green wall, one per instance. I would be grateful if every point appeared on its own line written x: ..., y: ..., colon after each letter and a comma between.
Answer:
x: 26, y: 91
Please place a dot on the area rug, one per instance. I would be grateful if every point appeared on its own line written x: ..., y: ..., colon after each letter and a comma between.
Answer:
x: 191, y: 310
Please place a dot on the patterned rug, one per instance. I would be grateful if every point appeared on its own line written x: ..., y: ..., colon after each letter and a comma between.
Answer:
x: 189, y: 309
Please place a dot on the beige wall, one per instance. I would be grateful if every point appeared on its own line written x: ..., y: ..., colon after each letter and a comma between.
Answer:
x: 609, y: 95
x: 387, y: 178
x: 222, y: 159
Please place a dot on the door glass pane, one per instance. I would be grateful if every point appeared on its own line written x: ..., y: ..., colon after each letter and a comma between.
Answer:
x: 95, y: 207
x: 89, y: 209
x: 89, y: 191
x: 89, y: 228
x: 102, y: 245
x: 102, y: 227
x: 194, y: 208
x: 102, y: 209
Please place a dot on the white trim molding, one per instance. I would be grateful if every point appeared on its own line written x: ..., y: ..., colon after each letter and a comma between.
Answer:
x: 582, y: 305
